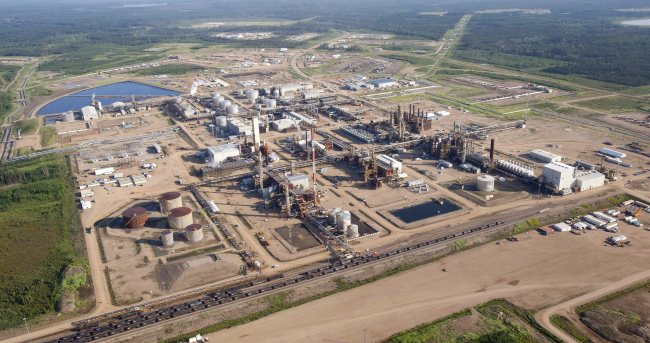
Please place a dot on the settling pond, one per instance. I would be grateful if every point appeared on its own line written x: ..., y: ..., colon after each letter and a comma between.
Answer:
x: 425, y: 210
x: 121, y: 91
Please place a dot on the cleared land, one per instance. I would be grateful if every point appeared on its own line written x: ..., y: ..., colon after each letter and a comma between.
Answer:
x: 616, y: 104
x: 532, y: 273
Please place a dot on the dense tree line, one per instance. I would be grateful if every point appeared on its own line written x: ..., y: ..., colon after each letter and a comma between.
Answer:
x: 588, y: 44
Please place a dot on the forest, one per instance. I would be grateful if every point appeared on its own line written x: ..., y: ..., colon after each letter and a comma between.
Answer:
x: 590, y: 44
x: 39, y: 236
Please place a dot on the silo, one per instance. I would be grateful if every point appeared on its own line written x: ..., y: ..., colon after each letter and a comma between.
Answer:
x: 271, y: 103
x: 252, y: 94
x: 170, y: 201
x: 485, y: 183
x: 221, y: 121
x: 135, y: 217
x: 167, y: 238
x: 331, y: 216
x: 180, y: 218
x: 353, y: 231
x: 224, y: 104
x: 232, y: 109
x: 343, y: 220
x: 194, y: 233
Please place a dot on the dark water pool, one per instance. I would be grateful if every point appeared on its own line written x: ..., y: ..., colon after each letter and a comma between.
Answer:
x: 120, y: 91
x: 425, y: 210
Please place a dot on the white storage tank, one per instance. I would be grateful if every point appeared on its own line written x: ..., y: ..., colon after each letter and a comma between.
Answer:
x: 194, y: 233
x: 343, y: 220
x: 180, y: 218
x: 232, y: 109
x: 331, y: 217
x: 170, y: 201
x: 485, y: 183
x: 221, y: 121
x: 252, y: 94
x: 167, y: 238
x: 68, y: 116
x: 353, y: 231
x: 224, y: 104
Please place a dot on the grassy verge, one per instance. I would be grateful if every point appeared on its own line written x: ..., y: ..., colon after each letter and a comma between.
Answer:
x: 427, y: 332
x: 26, y: 127
x: 48, y: 135
x: 609, y: 297
x: 564, y: 324
x: 616, y: 104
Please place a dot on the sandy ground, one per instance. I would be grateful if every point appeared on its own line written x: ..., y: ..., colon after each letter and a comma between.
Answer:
x: 534, y: 273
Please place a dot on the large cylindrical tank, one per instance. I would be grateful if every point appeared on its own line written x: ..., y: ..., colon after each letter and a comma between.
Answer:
x: 353, y: 231
x: 252, y: 94
x: 180, y: 218
x: 135, y: 217
x: 485, y: 183
x: 221, y: 121
x: 194, y: 233
x: 232, y: 109
x: 217, y: 99
x: 167, y: 238
x: 224, y: 104
x: 331, y: 216
x: 343, y: 220
x: 170, y: 201
x: 68, y: 116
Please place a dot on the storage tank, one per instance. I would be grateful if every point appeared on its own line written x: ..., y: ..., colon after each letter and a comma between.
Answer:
x: 194, y: 233
x: 232, y: 109
x: 167, y: 238
x: 135, y: 217
x: 180, y: 218
x: 224, y: 104
x: 343, y: 220
x: 170, y: 201
x: 252, y: 94
x: 68, y: 116
x: 485, y: 183
x: 221, y: 121
x: 217, y: 99
x: 353, y: 231
x: 331, y: 216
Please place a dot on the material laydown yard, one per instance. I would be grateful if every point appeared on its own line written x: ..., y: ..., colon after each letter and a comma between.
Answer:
x: 533, y: 273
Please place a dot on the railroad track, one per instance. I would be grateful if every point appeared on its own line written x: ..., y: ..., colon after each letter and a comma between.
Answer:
x: 137, y: 318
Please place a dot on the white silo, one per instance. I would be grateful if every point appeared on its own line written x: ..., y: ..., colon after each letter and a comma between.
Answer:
x: 180, y: 217
x: 353, y: 231
x: 331, y: 216
x: 232, y: 109
x: 224, y: 104
x: 485, y: 183
x: 167, y: 238
x: 343, y: 220
x: 252, y: 94
x: 194, y: 233
x: 221, y: 121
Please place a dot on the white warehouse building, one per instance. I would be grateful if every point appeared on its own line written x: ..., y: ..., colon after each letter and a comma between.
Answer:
x: 545, y: 156
x: 89, y: 113
x: 561, y: 177
x: 218, y: 154
x: 389, y: 163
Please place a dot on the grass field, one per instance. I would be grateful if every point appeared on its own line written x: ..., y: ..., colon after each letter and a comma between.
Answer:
x: 170, y: 69
x: 39, y: 237
x: 494, y: 321
x: 8, y: 72
x: 616, y: 104
x: 415, y: 60
x: 27, y: 127
x: 565, y: 325
x: 48, y: 136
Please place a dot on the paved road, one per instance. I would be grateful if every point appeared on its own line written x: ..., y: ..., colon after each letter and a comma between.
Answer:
x: 544, y: 316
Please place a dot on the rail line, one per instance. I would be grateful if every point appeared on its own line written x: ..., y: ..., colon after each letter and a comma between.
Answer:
x: 88, y: 331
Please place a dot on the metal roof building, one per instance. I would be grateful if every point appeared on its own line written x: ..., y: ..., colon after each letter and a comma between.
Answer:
x: 545, y: 156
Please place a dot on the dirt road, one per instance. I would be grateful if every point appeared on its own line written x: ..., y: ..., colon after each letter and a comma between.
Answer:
x: 534, y: 273
x: 567, y: 307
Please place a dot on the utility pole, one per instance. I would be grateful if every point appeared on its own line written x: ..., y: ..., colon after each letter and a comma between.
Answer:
x: 29, y: 335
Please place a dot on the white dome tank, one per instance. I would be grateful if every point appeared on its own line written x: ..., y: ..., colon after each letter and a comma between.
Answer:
x: 221, y: 121
x: 343, y: 220
x: 353, y: 231
x: 232, y: 109
x: 485, y: 183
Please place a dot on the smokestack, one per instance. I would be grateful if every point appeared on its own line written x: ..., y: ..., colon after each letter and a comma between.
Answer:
x: 492, y: 150
x: 313, y: 165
